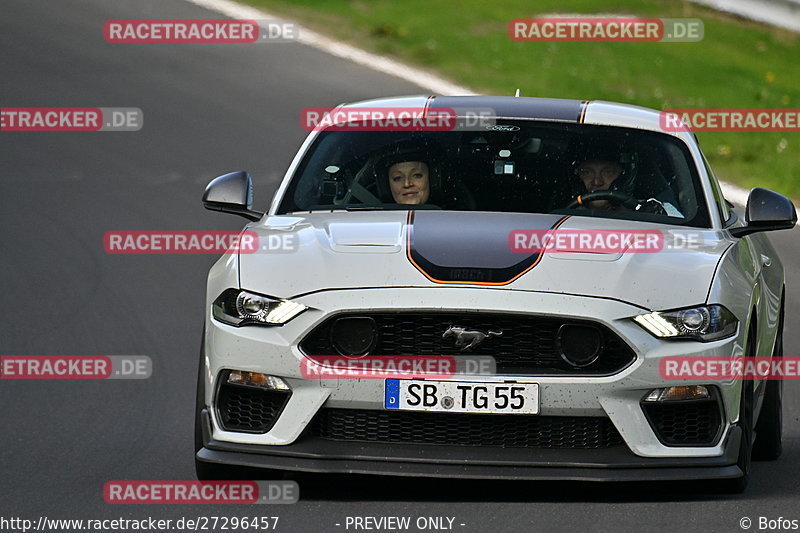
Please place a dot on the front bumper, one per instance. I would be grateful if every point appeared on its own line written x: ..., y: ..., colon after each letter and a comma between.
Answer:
x: 618, y: 463
x: 274, y: 351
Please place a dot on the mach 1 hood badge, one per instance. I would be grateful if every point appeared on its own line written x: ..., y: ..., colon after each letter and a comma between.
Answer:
x: 466, y: 339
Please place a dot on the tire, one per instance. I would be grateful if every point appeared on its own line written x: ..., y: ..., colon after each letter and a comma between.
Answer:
x: 769, y: 429
x: 744, y: 462
x: 738, y: 485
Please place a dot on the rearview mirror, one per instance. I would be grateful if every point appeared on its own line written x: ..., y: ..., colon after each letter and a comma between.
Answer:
x: 766, y: 211
x: 232, y: 193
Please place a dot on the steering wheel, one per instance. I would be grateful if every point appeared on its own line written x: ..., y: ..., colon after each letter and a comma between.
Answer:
x: 615, y: 197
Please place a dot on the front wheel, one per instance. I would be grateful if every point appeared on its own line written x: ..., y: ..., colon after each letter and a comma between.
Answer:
x: 738, y: 485
x: 769, y: 429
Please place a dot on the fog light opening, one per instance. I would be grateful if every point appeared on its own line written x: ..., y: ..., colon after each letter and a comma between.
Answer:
x: 579, y: 345
x: 354, y: 336
x: 257, y: 380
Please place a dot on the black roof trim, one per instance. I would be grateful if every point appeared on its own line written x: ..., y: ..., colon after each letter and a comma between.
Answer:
x: 516, y: 107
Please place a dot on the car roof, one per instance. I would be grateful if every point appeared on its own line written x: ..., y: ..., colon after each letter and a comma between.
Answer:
x: 597, y: 112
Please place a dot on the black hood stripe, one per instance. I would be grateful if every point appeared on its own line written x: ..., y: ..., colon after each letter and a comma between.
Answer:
x: 469, y: 248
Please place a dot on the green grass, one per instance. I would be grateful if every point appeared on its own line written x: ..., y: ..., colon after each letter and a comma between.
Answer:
x: 738, y: 64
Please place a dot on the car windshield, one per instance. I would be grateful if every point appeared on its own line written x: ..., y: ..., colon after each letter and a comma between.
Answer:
x: 513, y: 166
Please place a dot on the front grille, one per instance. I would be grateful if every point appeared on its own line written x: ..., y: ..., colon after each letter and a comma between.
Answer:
x: 510, y: 431
x: 528, y: 344
x: 685, y: 423
x: 247, y: 409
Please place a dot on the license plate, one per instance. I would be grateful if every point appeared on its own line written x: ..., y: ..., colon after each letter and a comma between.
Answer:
x: 461, y: 396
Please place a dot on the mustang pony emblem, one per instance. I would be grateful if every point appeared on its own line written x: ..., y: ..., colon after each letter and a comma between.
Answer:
x: 467, y: 339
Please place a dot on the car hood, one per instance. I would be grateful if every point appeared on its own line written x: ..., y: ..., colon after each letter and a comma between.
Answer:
x: 299, y: 254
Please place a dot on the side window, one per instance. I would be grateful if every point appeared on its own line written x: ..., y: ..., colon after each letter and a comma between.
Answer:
x: 722, y: 205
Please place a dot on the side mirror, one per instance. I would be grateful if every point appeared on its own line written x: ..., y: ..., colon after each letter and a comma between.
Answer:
x: 232, y: 193
x: 766, y: 211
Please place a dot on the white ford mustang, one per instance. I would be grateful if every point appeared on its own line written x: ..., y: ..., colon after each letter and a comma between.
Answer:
x: 574, y: 252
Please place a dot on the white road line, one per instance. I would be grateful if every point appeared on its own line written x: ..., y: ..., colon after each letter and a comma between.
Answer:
x: 437, y: 85
x: 781, y: 13
x: 734, y: 193
x: 339, y: 49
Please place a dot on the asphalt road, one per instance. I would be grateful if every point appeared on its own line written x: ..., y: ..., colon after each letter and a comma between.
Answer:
x: 209, y: 109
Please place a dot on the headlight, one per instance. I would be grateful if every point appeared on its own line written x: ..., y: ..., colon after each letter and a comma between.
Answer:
x: 242, y: 308
x: 704, y: 323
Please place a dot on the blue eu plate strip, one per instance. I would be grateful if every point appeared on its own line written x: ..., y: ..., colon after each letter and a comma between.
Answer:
x: 392, y: 398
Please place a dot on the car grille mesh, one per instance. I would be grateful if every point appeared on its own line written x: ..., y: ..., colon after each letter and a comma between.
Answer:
x: 512, y: 431
x: 528, y: 344
x: 249, y: 410
x: 685, y: 423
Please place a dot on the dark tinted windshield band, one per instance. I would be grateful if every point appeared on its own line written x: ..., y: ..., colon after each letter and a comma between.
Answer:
x: 506, y: 106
